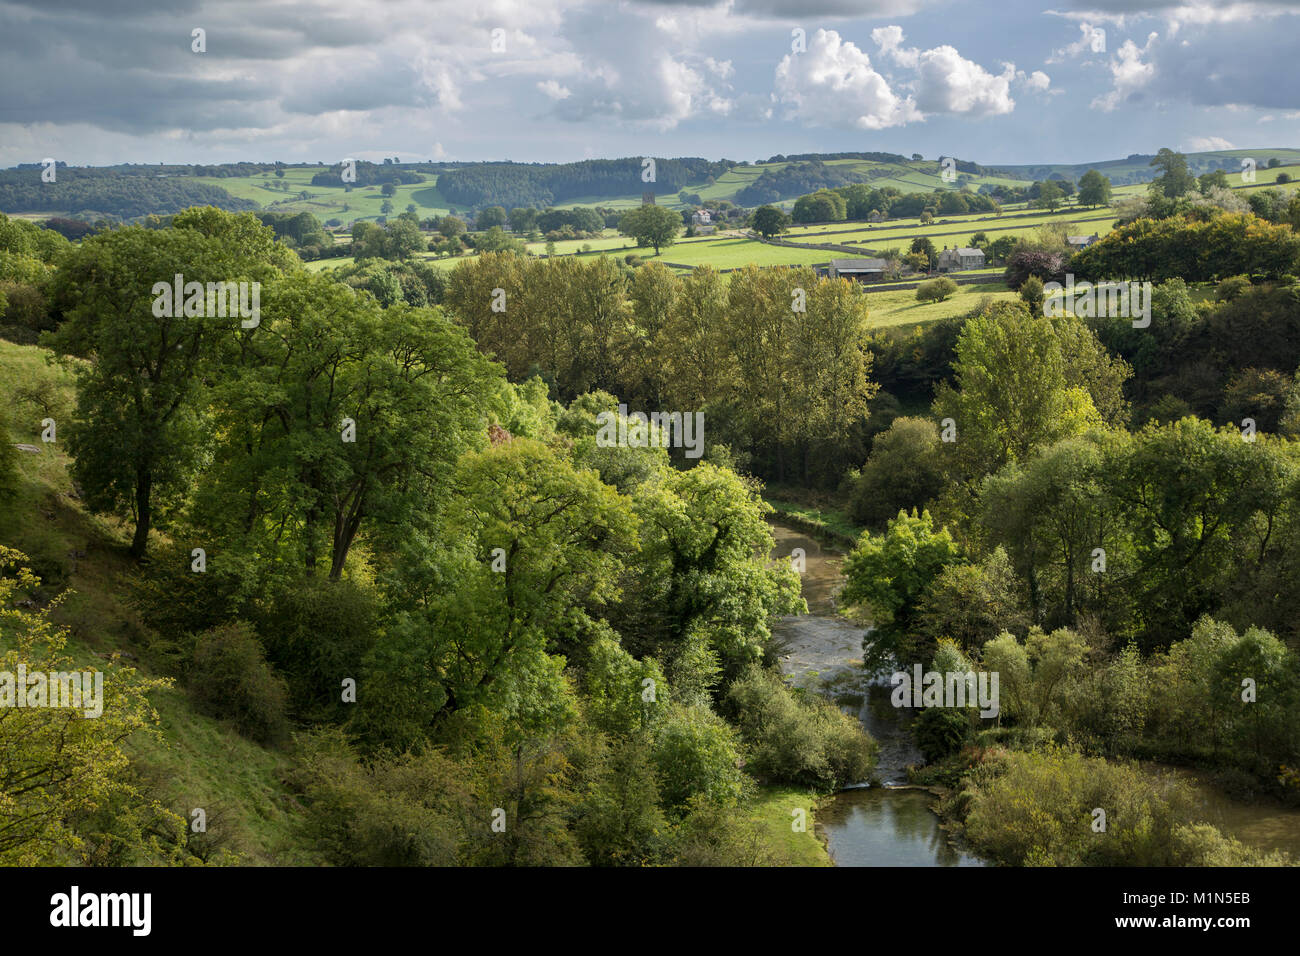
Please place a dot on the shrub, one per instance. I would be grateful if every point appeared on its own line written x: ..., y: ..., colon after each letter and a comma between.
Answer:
x: 317, y: 632
x: 1023, y: 263
x: 797, y: 739
x: 694, y: 752
x: 398, y: 811
x: 935, y: 290
x: 903, y: 472
x: 229, y: 678
x: 1040, y: 810
x: 940, y: 731
x: 1031, y: 292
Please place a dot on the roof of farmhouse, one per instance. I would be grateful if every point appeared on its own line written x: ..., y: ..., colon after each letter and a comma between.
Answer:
x: 859, y: 265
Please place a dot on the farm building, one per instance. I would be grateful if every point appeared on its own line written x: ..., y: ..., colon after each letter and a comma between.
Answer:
x: 1081, y: 242
x: 859, y: 270
x: 954, y: 260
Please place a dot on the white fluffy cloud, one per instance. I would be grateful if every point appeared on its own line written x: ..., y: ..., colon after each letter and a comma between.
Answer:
x: 834, y: 84
x: 947, y: 82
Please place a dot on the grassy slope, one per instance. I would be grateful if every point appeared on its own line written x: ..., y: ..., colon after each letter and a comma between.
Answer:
x: 772, y: 809
x: 200, y: 762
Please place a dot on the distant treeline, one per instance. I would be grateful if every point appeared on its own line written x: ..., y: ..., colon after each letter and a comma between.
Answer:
x: 98, y: 192
x: 870, y: 157
x: 368, y: 174
x: 518, y: 184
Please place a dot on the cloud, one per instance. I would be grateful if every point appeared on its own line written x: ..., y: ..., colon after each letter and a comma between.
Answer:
x: 834, y: 84
x: 1038, y: 81
x: 1092, y: 39
x: 641, y: 70
x: 1206, y: 144
x: 554, y: 90
x: 949, y: 83
x: 890, y: 41
x: 1129, y: 74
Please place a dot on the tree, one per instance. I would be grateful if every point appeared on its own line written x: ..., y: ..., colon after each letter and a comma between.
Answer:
x: 1012, y: 394
x: 651, y: 226
x: 137, y: 433
x: 297, y: 484
x: 1212, y: 180
x: 523, y: 219
x: 451, y: 226
x: 1031, y: 293
x: 888, y: 574
x: 770, y: 221
x: 1174, y: 179
x: 489, y: 217
x: 61, y: 765
x: 386, y: 207
x: 903, y: 471
x: 925, y: 247
x: 388, y: 189
x: 1050, y: 196
x: 1094, y: 189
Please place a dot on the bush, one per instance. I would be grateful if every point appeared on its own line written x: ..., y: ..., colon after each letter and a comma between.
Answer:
x: 694, y: 752
x: 940, y: 732
x: 228, y: 678
x: 1031, y: 293
x: 935, y: 290
x: 792, y: 738
x: 317, y: 632
x: 399, y: 811
x: 903, y: 472
x: 1040, y: 811
x: 1021, y: 264
x: 1231, y: 287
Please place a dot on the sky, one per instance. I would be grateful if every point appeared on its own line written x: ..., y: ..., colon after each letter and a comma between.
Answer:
x: 96, y: 82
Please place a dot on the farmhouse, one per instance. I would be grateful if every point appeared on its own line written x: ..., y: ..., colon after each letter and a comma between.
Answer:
x: 702, y: 219
x: 954, y: 260
x: 859, y: 270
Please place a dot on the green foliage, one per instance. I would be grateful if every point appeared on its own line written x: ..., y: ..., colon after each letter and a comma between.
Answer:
x: 888, y: 574
x: 228, y: 678
x: 769, y: 221
x: 793, y: 738
x: 940, y: 732
x: 903, y: 472
x: 60, y: 768
x: 696, y: 755
x: 1038, y: 811
x: 936, y: 290
x: 651, y: 226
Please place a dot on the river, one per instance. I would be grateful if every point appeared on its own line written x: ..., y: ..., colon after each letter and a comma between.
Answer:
x: 877, y: 822
x: 880, y: 822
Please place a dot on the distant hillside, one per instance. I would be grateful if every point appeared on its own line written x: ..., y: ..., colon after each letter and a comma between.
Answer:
x: 1137, y: 169
x: 437, y: 188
